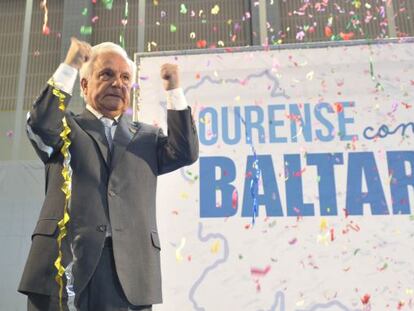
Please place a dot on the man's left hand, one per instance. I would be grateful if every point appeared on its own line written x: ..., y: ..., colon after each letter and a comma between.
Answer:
x: 170, y: 76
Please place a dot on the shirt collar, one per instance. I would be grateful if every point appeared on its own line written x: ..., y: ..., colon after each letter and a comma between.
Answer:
x: 99, y: 115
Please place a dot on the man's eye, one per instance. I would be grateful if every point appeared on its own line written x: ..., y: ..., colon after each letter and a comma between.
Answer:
x: 126, y: 78
x: 105, y: 75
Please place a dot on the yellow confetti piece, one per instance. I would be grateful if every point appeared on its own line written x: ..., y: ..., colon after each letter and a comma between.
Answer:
x: 205, y: 120
x: 178, y: 255
x: 409, y: 291
x: 215, y: 10
x: 324, y: 224
x: 390, y: 178
x: 323, y: 238
x: 309, y: 76
x: 215, y: 247
x: 184, y: 195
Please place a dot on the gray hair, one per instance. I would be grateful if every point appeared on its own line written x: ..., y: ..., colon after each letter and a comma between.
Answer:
x: 86, y: 70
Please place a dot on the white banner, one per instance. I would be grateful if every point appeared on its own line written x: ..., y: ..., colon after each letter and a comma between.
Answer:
x: 303, y: 193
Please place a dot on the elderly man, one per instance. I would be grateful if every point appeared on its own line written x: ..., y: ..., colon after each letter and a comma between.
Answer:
x: 111, y: 250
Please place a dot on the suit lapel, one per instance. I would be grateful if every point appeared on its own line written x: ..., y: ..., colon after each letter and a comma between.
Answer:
x: 94, y: 127
x: 123, y: 136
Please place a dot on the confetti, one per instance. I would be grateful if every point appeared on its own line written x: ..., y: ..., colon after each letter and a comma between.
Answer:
x: 45, y: 27
x: 215, y: 10
x: 234, y: 199
x: 385, y: 266
x: 309, y: 75
x: 178, y: 256
x: 215, y: 247
x: 365, y: 299
x: 183, y: 9
x: 108, y: 4
x: 293, y: 241
x: 201, y: 44
x: 86, y: 30
x: 260, y: 272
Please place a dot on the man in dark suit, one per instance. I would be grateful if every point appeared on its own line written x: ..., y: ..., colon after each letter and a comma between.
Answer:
x: 112, y: 250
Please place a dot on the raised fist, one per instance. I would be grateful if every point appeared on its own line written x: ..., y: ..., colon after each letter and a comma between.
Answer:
x: 79, y: 52
x: 170, y: 76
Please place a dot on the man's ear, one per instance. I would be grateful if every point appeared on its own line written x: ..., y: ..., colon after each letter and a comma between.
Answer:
x: 84, y: 86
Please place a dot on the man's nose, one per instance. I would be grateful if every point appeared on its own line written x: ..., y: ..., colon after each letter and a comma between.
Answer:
x: 118, y: 82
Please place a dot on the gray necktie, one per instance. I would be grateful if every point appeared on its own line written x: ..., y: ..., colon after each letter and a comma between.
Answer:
x: 108, y: 124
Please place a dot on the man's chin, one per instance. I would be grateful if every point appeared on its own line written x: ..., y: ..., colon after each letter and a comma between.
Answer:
x: 113, y: 105
x: 113, y: 109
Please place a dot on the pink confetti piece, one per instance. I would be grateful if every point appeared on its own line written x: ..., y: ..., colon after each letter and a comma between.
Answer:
x: 260, y: 272
x: 234, y: 199
x: 293, y: 241
x: 299, y: 173
x: 365, y: 299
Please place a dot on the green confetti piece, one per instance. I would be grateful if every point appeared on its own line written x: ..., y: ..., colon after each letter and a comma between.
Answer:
x: 411, y: 217
x: 126, y: 9
x: 108, y: 4
x: 318, y: 178
x: 173, y: 28
x: 85, y: 12
x: 183, y: 9
x: 356, y: 251
x: 122, y: 40
x: 86, y: 30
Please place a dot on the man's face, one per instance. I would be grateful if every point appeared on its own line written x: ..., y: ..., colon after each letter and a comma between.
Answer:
x: 107, y: 89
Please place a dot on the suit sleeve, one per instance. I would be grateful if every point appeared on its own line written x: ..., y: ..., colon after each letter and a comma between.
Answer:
x: 44, y: 122
x: 180, y: 146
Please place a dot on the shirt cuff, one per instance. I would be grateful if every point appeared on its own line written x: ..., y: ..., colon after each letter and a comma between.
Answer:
x: 176, y: 99
x: 64, y: 78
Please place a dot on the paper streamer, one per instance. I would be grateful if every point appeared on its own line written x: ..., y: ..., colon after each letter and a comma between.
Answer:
x: 45, y: 27
x: 66, y: 189
x: 256, y: 173
x: 378, y: 85
x: 124, y: 23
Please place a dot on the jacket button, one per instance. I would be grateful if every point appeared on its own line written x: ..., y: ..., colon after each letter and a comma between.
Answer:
x: 111, y: 193
x: 101, y: 228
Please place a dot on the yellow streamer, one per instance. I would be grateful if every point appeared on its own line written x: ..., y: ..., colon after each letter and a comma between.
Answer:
x: 66, y: 189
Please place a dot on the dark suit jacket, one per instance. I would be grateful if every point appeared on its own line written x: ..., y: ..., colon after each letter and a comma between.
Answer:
x: 118, y: 186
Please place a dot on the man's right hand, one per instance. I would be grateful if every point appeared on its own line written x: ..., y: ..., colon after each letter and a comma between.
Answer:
x: 79, y: 52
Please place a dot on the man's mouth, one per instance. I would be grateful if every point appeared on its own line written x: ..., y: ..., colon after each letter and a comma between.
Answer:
x: 114, y: 95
